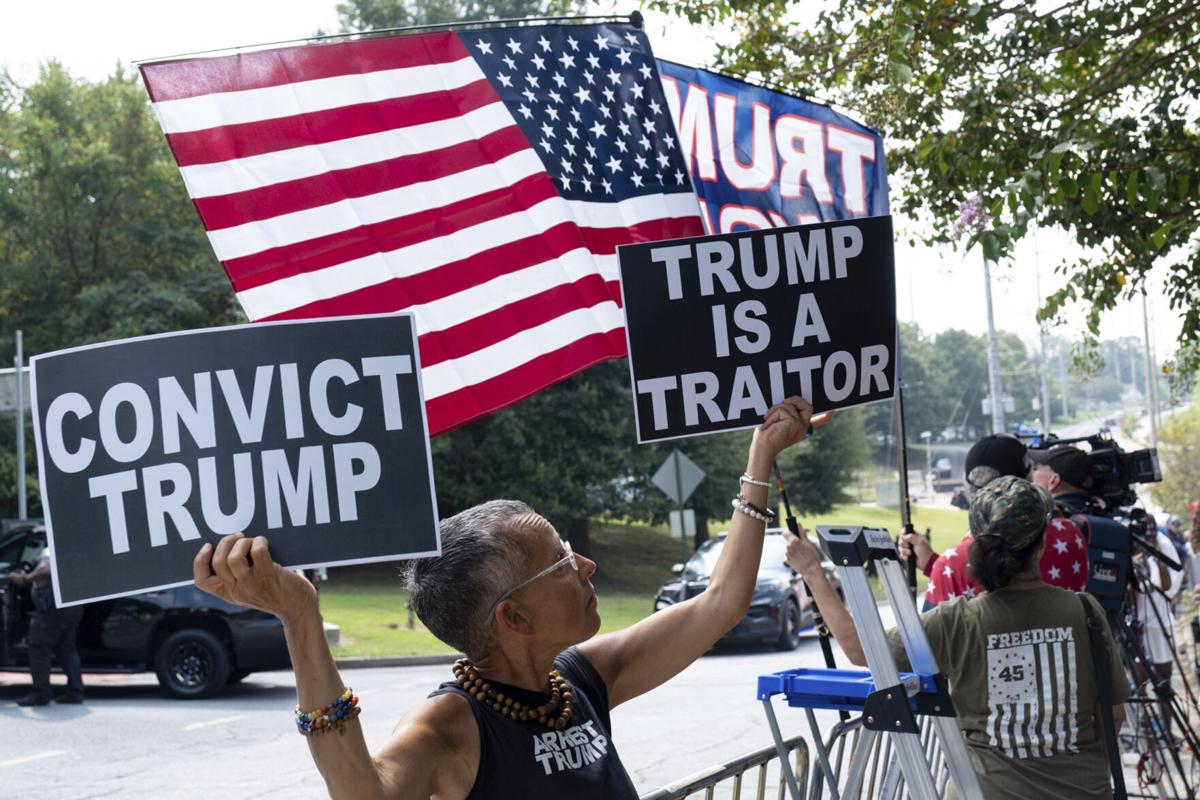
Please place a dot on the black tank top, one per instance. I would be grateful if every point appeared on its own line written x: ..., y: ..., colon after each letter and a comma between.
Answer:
x: 525, y: 760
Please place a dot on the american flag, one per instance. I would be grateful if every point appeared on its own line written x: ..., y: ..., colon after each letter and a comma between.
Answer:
x: 481, y: 179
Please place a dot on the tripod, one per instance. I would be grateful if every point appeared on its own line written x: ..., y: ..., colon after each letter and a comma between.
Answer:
x: 1160, y: 720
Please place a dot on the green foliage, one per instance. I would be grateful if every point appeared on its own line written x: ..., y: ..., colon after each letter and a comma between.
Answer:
x: 98, y: 239
x: 97, y: 236
x: 1179, y: 454
x: 1080, y: 115
x: 563, y: 450
x: 367, y: 15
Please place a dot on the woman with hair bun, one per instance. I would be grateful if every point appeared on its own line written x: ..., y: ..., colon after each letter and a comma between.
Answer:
x: 1018, y: 658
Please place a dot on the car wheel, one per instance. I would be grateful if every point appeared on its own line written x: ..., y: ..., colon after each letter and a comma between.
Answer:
x: 192, y: 663
x: 789, y: 637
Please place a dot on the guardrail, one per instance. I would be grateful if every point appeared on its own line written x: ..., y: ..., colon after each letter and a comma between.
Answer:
x: 728, y: 780
x: 876, y: 776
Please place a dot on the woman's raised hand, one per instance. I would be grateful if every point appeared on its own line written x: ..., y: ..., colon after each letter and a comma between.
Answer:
x: 788, y: 423
x: 240, y: 570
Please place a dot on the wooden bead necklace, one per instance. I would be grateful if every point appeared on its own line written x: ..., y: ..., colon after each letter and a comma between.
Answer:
x: 562, y: 700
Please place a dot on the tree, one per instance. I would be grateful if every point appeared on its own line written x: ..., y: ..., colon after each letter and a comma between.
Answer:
x: 1080, y: 114
x: 367, y: 15
x: 566, y: 451
x: 98, y: 238
x: 1179, y: 456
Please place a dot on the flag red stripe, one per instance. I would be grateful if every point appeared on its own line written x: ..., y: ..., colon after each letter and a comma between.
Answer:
x: 479, y: 268
x: 325, y: 251
x: 496, y: 326
x: 172, y: 80
x: 230, y: 210
x: 458, y: 408
x: 228, y: 142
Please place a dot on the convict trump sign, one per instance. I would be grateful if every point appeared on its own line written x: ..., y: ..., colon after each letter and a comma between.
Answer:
x: 310, y: 432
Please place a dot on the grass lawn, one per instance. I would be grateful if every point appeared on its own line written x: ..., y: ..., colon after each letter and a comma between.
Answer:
x: 368, y: 602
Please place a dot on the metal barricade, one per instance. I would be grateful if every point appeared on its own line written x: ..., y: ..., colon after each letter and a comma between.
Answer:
x: 734, y: 779
x: 880, y: 775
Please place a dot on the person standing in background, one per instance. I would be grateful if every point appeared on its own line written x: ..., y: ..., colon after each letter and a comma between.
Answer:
x: 51, y: 630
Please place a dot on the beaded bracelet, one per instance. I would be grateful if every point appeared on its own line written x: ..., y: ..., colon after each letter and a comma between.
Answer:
x: 331, y: 717
x: 743, y: 505
x: 753, y: 482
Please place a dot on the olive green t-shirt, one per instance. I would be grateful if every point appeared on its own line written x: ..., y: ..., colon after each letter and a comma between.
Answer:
x: 1023, y: 680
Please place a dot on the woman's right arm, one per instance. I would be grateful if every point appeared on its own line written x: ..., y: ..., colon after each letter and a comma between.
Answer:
x: 240, y: 570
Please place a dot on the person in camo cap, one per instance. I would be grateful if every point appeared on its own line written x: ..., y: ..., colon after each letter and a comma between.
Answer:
x: 1018, y: 658
x: 1064, y: 559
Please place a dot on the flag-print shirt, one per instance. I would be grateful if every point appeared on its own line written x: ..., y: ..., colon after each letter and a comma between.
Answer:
x: 1023, y: 679
x: 1064, y: 564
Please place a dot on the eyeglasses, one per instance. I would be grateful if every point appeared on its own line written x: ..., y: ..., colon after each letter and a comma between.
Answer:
x: 569, y: 558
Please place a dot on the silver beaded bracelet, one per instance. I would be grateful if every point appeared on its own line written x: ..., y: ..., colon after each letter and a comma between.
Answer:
x: 743, y: 505
x: 747, y: 479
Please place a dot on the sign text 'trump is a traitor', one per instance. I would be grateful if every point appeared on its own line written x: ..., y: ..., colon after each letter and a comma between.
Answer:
x: 722, y: 327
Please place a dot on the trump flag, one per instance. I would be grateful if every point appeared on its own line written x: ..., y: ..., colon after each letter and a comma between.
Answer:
x: 764, y: 159
x: 481, y: 179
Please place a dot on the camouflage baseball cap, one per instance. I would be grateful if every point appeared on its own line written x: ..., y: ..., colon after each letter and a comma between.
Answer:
x: 1013, y: 509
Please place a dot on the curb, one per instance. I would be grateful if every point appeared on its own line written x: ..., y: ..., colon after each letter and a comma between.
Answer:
x: 396, y: 661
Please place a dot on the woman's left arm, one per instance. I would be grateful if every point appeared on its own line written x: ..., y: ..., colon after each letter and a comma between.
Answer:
x: 803, y: 557
x: 637, y: 659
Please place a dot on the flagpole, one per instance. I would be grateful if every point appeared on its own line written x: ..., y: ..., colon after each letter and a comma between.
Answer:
x: 818, y: 621
x: 635, y: 19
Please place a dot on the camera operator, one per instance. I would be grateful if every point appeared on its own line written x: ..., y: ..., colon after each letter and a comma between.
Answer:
x: 1003, y: 651
x: 1064, y: 561
x: 1066, y: 472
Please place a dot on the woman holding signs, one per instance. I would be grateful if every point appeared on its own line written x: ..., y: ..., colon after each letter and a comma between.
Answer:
x: 527, y: 712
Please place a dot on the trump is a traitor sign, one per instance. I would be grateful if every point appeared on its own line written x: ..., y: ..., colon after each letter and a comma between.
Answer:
x: 722, y: 327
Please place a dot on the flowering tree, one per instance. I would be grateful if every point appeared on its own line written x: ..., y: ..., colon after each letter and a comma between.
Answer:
x: 1081, y: 114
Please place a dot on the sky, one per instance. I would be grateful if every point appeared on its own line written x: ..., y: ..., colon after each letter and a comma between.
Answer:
x: 939, y: 289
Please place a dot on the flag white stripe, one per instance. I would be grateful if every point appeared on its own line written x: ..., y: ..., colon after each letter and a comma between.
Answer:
x: 1072, y: 698
x: 1046, y: 699
x: 298, y: 290
x: 455, y: 309
x: 1021, y: 736
x: 1061, y: 719
x: 347, y: 214
x: 266, y: 169
x: 519, y: 349
x: 1000, y: 739
x: 304, y: 97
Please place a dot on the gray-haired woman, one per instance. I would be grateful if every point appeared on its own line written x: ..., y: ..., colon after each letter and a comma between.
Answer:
x: 527, y: 714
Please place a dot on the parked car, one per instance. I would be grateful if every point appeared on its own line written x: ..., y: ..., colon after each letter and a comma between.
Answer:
x: 195, y: 643
x: 780, y: 608
x: 943, y: 469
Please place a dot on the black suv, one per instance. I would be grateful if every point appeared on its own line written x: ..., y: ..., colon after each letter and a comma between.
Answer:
x: 196, y: 643
x: 780, y: 609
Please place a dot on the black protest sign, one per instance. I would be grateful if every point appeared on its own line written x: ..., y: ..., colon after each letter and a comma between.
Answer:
x: 310, y: 432
x: 722, y: 327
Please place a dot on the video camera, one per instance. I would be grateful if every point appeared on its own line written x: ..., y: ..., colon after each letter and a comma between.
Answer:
x: 1114, y: 524
x: 1114, y: 471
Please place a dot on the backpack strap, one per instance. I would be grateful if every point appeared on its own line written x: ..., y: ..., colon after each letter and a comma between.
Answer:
x: 1104, y: 695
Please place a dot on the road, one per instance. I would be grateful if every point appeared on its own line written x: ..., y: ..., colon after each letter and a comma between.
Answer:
x: 128, y: 741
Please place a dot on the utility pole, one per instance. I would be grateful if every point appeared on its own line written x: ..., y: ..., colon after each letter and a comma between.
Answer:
x: 1062, y: 384
x: 1148, y: 372
x: 995, y: 390
x: 19, y: 361
x: 1045, y: 361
